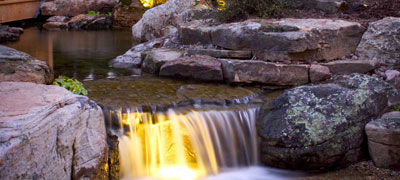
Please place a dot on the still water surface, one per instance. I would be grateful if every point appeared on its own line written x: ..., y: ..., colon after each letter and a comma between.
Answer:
x: 84, y: 55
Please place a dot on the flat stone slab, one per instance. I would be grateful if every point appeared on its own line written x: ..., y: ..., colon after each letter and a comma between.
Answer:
x: 280, y: 39
x: 152, y: 60
x: 221, y: 53
x: 255, y: 71
x: 204, y: 68
x: 49, y: 133
x: 18, y: 66
x: 383, y: 141
x: 345, y: 67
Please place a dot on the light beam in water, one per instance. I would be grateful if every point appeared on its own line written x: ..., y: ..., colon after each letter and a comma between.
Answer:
x: 186, y: 146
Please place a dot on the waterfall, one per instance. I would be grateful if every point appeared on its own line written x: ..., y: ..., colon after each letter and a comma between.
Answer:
x: 188, y: 144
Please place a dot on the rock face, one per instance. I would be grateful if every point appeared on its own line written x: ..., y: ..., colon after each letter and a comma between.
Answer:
x: 253, y: 71
x: 204, y: 68
x: 75, y: 7
x: 280, y: 40
x: 159, y: 21
x: 321, y: 126
x: 125, y: 16
x: 19, y: 66
x: 9, y: 33
x: 49, y: 133
x: 383, y: 142
x: 381, y: 42
x: 154, y: 59
x: 86, y: 22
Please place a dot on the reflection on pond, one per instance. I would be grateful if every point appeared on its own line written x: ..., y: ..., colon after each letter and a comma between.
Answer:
x: 84, y: 55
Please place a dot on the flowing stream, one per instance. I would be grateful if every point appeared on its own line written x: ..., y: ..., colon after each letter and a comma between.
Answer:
x: 217, y: 141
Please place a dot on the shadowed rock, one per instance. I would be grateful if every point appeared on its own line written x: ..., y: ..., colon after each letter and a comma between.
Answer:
x: 383, y: 141
x: 204, y: 68
x: 322, y: 126
x: 381, y: 42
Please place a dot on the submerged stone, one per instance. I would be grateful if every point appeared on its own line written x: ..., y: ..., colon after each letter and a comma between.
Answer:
x: 322, y: 126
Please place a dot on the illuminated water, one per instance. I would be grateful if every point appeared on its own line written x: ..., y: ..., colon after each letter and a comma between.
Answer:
x: 199, y: 142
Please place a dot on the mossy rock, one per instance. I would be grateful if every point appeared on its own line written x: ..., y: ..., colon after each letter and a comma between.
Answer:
x: 321, y: 126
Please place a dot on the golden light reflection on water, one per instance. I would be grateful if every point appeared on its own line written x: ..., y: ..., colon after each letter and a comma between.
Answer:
x: 184, y: 146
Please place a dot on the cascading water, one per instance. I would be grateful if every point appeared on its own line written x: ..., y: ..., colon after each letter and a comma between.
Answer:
x: 186, y: 145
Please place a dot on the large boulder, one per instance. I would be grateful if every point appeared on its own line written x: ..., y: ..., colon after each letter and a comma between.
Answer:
x: 322, y: 126
x: 204, y: 68
x: 19, y: 66
x: 255, y: 71
x: 383, y: 141
x: 280, y: 40
x: 75, y: 7
x: 126, y: 15
x: 49, y: 133
x: 160, y: 20
x: 381, y: 43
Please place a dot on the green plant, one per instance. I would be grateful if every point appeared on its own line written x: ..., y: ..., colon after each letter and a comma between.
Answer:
x: 93, y: 13
x: 72, y: 85
x: 236, y: 10
x: 395, y: 108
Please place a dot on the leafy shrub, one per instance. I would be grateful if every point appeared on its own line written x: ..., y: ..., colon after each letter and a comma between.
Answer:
x: 72, y: 85
x: 235, y: 10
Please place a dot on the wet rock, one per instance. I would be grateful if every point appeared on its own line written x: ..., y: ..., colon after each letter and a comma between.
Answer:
x: 281, y: 40
x: 55, y: 25
x: 132, y: 58
x: 9, y: 33
x: 75, y: 7
x: 113, y: 156
x: 49, y: 133
x: 319, y: 73
x: 21, y: 67
x: 221, y: 53
x: 322, y: 126
x: 154, y: 59
x: 253, y: 71
x: 86, y: 22
x: 380, y: 42
x: 383, y: 142
x: 125, y: 16
x: 160, y: 21
x: 204, y: 68
x: 345, y: 67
